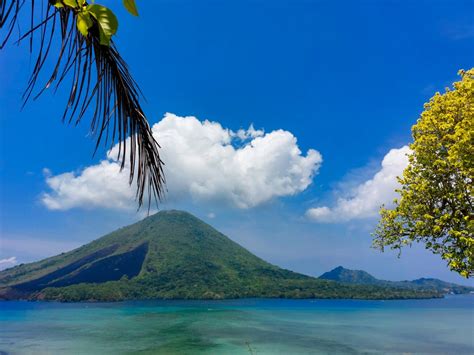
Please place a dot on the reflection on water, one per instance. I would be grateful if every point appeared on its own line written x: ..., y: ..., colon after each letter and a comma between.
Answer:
x: 441, y: 326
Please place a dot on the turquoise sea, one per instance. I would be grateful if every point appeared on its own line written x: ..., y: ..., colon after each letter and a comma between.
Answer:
x: 254, y: 326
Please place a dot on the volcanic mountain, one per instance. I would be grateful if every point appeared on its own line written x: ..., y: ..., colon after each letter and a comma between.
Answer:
x: 172, y: 255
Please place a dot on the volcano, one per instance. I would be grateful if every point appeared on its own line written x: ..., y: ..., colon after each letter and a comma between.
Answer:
x: 173, y: 255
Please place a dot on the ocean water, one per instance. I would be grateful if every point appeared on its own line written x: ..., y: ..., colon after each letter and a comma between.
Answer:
x: 255, y: 326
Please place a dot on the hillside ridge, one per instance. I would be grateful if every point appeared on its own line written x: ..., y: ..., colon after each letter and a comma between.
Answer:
x: 172, y: 255
x: 360, y: 277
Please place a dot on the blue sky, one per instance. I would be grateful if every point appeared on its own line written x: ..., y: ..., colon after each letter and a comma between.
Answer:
x: 346, y: 80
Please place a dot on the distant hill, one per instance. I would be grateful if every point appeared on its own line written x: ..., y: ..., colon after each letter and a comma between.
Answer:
x: 172, y: 255
x: 341, y: 274
x: 359, y: 277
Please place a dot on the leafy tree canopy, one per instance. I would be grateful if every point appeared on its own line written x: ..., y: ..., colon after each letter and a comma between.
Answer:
x: 435, y: 204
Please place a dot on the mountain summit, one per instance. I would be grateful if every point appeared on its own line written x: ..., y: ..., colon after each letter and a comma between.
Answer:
x: 171, y: 254
x: 342, y: 274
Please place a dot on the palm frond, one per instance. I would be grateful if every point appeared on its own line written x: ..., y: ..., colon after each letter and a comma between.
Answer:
x: 101, y: 85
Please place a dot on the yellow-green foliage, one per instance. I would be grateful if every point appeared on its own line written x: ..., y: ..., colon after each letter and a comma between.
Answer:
x: 87, y: 15
x: 436, y: 200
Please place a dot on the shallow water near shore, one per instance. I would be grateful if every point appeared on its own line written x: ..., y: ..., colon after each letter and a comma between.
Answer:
x: 253, y: 326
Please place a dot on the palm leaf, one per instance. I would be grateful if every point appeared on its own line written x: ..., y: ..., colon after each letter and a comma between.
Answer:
x: 101, y: 86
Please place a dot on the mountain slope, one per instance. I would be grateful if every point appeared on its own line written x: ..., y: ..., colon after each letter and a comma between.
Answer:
x: 341, y: 274
x: 359, y: 277
x: 171, y: 254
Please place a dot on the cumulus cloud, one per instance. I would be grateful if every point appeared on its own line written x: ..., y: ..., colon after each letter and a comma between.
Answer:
x: 101, y: 185
x: 365, y: 199
x: 204, y: 162
x: 5, y: 263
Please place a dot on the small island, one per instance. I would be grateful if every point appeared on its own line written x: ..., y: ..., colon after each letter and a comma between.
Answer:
x: 174, y: 255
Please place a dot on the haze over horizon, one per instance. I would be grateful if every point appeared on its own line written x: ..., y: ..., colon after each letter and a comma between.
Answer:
x: 283, y: 127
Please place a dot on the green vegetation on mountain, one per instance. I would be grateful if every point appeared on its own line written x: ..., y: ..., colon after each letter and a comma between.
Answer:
x: 359, y: 277
x: 173, y: 255
x: 344, y: 275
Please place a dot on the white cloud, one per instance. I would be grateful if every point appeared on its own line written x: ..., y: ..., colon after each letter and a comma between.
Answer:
x: 365, y: 199
x: 251, y: 132
x: 5, y: 263
x: 204, y: 162
x: 100, y: 185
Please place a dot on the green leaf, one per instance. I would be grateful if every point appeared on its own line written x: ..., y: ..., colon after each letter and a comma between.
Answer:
x: 131, y: 7
x: 106, y: 20
x: 58, y: 4
x: 84, y: 22
x: 70, y: 3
